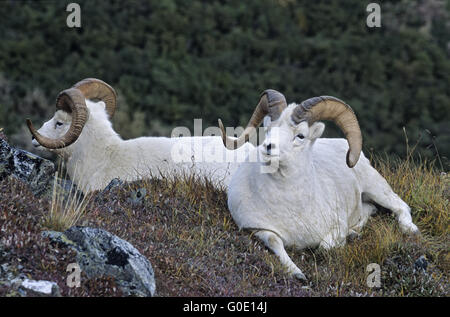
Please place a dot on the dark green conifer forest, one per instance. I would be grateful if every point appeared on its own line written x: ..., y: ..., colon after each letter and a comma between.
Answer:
x: 175, y: 60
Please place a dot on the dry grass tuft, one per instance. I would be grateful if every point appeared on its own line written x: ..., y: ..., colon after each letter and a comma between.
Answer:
x: 67, y: 205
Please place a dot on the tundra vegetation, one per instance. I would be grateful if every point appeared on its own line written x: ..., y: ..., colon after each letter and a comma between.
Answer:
x: 184, y: 228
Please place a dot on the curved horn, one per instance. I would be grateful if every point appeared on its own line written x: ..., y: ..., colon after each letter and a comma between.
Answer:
x: 73, y: 101
x: 271, y: 103
x: 334, y: 109
x: 93, y: 88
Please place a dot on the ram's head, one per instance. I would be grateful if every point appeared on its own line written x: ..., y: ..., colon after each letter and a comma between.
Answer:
x: 72, y: 114
x: 292, y: 128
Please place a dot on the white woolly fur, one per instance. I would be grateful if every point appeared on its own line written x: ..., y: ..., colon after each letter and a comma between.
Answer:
x: 100, y: 154
x: 313, y: 198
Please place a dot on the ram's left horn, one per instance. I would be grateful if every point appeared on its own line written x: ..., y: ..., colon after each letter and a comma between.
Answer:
x: 93, y: 88
x: 271, y: 103
x: 333, y: 109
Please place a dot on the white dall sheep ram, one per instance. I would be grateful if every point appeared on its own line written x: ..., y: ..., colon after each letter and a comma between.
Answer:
x: 81, y: 133
x: 313, y: 198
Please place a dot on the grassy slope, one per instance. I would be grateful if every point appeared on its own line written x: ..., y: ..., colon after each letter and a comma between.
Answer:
x: 184, y: 229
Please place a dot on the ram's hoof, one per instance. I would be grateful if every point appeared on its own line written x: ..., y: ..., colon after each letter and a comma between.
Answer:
x: 300, y: 276
x: 411, y: 229
x: 416, y: 233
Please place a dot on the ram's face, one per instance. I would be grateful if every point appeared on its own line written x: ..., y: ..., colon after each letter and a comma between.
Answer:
x: 56, y: 127
x: 285, y: 140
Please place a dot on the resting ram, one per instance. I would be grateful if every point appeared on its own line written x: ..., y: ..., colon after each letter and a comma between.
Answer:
x: 81, y: 133
x: 302, y: 192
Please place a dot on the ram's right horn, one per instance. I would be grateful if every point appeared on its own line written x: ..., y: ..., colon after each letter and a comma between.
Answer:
x: 72, y: 101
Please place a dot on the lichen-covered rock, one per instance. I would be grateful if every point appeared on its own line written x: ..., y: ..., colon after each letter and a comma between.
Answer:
x: 100, y: 253
x: 115, y: 182
x: 29, y: 168
x: 103, y: 195
x: 40, y: 288
x: 421, y: 263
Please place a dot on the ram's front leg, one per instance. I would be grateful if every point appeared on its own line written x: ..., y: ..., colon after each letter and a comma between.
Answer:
x: 274, y: 243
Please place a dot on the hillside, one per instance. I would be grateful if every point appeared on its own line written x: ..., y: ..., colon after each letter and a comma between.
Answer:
x: 184, y: 229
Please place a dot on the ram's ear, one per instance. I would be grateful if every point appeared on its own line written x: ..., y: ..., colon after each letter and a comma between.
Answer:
x: 316, y: 130
x: 101, y: 103
x: 267, y: 121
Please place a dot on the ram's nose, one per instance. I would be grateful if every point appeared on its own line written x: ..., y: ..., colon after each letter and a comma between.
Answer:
x: 269, y: 147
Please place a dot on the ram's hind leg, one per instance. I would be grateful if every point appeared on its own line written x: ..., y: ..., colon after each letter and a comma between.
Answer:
x: 274, y: 243
x: 379, y: 191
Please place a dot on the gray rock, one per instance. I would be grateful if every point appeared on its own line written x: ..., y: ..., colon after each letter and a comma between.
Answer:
x: 137, y: 196
x: 100, y: 253
x: 29, y: 168
x: 40, y: 288
x: 6, y: 275
x: 115, y: 182
x: 33, y: 170
x: 421, y: 263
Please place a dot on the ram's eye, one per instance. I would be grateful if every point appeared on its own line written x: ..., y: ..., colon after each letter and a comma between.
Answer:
x: 300, y: 136
x: 59, y: 123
